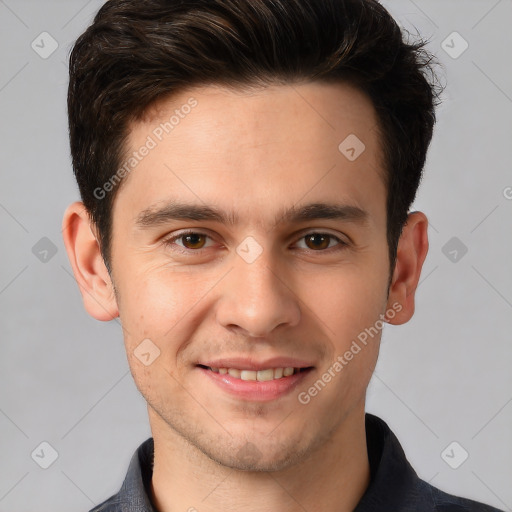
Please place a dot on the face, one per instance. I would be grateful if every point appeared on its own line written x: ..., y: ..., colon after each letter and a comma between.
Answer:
x: 247, y: 239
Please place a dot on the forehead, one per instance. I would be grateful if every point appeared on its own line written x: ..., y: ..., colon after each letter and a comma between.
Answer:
x: 255, y: 148
x: 327, y: 109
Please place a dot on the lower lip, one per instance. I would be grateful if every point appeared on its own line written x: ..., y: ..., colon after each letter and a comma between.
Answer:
x: 253, y: 390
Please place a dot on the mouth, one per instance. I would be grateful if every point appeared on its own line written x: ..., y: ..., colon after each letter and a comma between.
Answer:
x: 264, y: 375
x: 261, y: 383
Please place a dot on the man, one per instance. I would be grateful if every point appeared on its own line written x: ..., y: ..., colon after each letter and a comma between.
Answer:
x: 246, y: 169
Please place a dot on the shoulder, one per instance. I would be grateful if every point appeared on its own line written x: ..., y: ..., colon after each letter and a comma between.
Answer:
x: 396, y: 486
x: 133, y: 495
x: 112, y: 504
x: 444, y: 502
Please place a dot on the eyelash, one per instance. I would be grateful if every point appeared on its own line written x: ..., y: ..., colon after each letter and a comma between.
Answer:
x: 170, y: 241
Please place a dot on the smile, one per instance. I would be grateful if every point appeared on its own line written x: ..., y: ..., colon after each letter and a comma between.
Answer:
x: 262, y: 385
x: 260, y: 375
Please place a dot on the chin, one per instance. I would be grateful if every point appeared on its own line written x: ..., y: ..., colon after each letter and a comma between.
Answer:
x: 250, y: 458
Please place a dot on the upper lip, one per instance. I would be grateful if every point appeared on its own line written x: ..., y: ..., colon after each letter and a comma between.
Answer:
x: 244, y: 363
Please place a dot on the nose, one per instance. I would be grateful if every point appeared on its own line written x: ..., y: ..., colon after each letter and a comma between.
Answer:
x: 258, y: 297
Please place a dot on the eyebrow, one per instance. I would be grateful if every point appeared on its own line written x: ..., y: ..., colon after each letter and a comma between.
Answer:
x: 173, y: 210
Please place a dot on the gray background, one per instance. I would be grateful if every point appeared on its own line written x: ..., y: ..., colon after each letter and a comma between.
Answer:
x: 443, y: 377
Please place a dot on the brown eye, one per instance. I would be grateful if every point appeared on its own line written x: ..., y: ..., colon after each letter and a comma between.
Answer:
x: 321, y: 241
x: 193, y: 240
x: 317, y: 241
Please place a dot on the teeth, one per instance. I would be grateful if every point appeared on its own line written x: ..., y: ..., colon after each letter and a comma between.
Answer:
x: 260, y: 375
x: 263, y: 375
x: 248, y: 375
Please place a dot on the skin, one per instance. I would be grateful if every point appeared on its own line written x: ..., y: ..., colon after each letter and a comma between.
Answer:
x: 254, y: 153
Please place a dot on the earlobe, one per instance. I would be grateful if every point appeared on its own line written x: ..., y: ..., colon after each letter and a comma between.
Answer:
x: 87, y: 263
x: 411, y: 253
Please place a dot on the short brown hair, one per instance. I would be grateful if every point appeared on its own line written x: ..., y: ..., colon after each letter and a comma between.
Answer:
x: 138, y: 51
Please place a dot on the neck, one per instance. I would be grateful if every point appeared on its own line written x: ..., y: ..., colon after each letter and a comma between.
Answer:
x: 332, y: 479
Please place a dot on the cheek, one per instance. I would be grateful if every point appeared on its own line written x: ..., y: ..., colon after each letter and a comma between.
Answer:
x: 155, y: 301
x: 348, y: 299
x: 158, y: 318
x: 349, y: 304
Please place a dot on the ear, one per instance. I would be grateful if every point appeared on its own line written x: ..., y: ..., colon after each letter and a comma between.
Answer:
x: 411, y: 253
x: 88, y: 266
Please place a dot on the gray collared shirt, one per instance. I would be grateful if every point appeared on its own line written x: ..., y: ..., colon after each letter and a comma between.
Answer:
x: 394, y: 485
